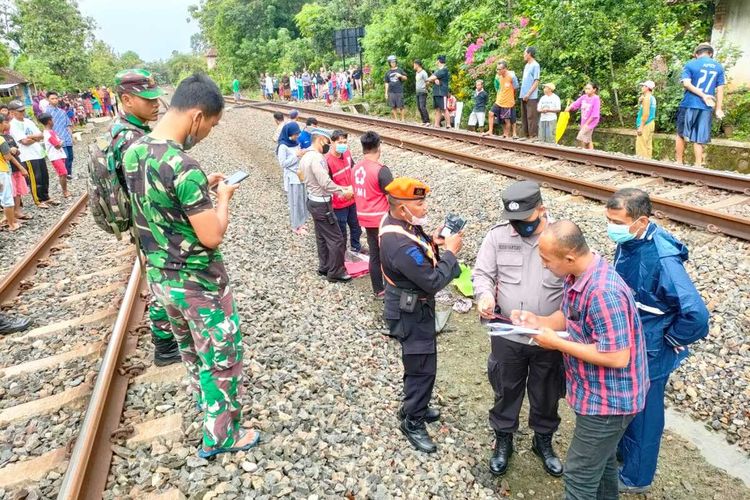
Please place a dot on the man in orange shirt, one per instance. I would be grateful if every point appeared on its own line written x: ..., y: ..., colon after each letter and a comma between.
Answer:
x: 504, y: 109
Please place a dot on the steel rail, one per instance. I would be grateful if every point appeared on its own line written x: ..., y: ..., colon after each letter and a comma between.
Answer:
x: 86, y: 474
x: 728, y: 181
x: 712, y: 220
x: 24, y: 267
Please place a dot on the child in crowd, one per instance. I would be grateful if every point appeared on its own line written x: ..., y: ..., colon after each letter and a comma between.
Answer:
x: 18, y: 171
x: 476, y: 117
x: 548, y: 107
x: 6, y: 187
x: 589, y: 104
x: 55, y: 152
x: 644, y: 122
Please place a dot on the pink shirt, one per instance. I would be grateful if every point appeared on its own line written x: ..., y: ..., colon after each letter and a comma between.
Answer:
x: 589, y: 107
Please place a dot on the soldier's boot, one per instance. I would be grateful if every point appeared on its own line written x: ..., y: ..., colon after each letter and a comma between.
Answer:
x: 13, y: 325
x: 432, y: 415
x: 166, y: 352
x: 503, y: 450
x: 542, y: 446
x: 416, y: 432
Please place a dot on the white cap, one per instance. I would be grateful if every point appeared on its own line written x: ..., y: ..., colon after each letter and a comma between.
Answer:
x: 648, y: 83
x: 391, y: 58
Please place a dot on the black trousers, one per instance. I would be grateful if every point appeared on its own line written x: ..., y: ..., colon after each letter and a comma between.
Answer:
x: 330, y: 242
x: 422, y: 107
x: 513, y: 369
x: 38, y: 179
x: 419, y: 379
x: 376, y: 272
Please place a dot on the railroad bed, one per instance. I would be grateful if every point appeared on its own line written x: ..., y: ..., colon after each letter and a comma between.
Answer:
x: 716, y: 200
x: 323, y: 384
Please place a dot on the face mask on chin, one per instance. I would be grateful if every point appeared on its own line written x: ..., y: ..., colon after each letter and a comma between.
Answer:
x: 526, y: 228
x: 417, y: 221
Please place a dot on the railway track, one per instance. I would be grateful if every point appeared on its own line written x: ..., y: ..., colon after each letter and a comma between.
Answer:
x: 62, y: 382
x: 719, y: 201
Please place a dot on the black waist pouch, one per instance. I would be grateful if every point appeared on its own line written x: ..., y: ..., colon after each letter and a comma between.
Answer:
x: 408, y: 301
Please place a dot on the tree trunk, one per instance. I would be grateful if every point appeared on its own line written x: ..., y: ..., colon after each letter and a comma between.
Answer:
x: 614, y: 91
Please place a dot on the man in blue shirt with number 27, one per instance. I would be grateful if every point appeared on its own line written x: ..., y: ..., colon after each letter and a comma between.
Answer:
x: 703, y: 79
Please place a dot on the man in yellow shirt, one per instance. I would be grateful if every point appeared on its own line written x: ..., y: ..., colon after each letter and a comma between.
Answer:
x: 504, y: 109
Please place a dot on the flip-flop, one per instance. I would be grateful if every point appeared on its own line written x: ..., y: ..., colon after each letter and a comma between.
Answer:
x: 218, y: 451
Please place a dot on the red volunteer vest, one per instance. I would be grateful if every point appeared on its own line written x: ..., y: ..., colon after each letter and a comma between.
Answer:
x: 372, y: 203
x: 341, y: 174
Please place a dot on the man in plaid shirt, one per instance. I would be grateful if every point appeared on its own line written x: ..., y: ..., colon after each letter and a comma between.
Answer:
x: 604, y: 355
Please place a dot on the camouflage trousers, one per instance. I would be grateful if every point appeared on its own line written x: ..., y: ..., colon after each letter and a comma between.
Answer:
x: 206, y: 327
x: 158, y: 320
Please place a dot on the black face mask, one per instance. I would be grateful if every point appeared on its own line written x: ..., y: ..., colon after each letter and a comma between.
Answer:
x: 326, y: 148
x: 526, y: 228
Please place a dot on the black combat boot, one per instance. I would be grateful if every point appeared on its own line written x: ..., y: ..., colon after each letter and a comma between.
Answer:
x: 166, y: 352
x: 13, y: 325
x: 431, y: 415
x: 416, y: 432
x: 542, y: 446
x: 502, y: 453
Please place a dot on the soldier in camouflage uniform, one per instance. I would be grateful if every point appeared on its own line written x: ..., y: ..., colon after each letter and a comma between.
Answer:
x: 140, y: 104
x: 180, y: 231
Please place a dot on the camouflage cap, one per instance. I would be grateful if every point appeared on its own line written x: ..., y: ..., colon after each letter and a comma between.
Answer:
x: 137, y: 82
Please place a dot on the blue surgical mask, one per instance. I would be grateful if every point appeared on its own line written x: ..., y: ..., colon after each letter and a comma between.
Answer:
x: 619, y: 233
x: 341, y: 148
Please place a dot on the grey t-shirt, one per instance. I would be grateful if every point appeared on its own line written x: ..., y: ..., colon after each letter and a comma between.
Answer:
x: 421, y: 82
x: 395, y: 84
x: 444, y: 76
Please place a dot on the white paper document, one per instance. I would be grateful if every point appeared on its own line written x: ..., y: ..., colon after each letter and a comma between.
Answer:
x: 503, y: 329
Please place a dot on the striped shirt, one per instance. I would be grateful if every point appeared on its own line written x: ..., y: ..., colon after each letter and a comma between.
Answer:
x: 60, y: 124
x: 599, y: 309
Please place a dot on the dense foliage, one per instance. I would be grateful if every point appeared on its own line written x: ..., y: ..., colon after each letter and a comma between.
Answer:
x: 616, y: 43
x: 52, y: 44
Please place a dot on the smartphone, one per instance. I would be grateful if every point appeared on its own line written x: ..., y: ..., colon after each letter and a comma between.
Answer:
x: 236, y: 177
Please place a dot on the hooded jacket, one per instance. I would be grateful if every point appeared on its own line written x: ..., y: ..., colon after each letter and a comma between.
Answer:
x: 672, y: 311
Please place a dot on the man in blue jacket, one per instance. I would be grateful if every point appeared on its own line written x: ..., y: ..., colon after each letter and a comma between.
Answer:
x: 650, y: 260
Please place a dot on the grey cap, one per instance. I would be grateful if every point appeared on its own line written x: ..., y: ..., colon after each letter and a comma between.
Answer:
x: 391, y: 58
x: 520, y: 199
x: 319, y: 131
x: 15, y: 104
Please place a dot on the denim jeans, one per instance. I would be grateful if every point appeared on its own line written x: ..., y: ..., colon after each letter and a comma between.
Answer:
x: 591, y: 464
x: 348, y: 217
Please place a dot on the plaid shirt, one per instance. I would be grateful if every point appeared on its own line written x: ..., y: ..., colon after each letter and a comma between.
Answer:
x: 61, y: 122
x: 599, y: 309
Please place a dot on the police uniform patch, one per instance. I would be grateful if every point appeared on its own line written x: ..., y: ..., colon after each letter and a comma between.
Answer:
x: 513, y: 206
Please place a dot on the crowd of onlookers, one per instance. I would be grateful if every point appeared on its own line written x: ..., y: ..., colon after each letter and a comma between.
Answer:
x: 33, y: 135
x: 521, y: 100
x: 326, y: 85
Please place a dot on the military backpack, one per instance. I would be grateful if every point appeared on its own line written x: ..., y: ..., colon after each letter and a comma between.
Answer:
x: 108, y: 197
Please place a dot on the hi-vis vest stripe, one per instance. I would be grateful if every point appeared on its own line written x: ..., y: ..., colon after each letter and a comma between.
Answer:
x: 394, y: 229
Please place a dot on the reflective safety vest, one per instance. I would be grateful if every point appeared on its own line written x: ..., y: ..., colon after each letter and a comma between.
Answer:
x: 372, y: 203
x: 396, y: 229
x: 341, y: 174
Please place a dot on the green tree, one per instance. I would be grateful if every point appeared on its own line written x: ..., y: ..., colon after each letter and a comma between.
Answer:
x: 103, y: 65
x: 180, y: 66
x: 130, y: 60
x: 40, y: 73
x: 56, y: 32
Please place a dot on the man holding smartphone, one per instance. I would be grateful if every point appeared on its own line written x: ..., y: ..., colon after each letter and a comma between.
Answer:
x: 180, y: 230
x: 508, y: 275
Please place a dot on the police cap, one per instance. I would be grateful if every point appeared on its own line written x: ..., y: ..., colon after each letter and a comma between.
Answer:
x: 407, y: 188
x: 520, y: 199
x: 137, y: 82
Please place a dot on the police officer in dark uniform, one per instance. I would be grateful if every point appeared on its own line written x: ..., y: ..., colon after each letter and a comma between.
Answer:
x: 414, y: 272
x: 509, y: 274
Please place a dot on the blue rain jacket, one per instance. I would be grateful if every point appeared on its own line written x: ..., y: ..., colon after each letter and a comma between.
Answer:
x: 672, y: 311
